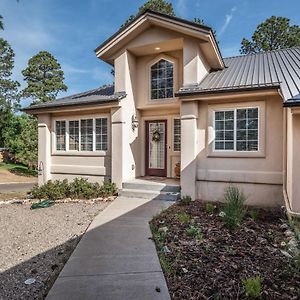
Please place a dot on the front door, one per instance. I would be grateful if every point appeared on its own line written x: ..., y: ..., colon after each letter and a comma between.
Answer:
x: 156, y: 148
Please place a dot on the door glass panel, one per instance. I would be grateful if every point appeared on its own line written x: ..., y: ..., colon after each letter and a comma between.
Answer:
x: 157, y: 145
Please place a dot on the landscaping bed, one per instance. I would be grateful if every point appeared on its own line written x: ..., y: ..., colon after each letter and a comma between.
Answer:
x: 204, y: 259
x: 35, y: 244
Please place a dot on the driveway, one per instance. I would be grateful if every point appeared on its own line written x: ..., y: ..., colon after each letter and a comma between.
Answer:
x: 116, y: 258
x: 16, y: 187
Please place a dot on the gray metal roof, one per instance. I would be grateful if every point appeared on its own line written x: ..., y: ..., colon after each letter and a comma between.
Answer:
x: 261, y: 70
x: 100, y: 95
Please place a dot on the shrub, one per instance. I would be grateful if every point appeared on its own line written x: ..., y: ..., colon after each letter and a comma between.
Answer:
x: 209, y: 208
x: 253, y: 214
x: 185, y: 201
x: 79, y: 188
x: 195, y: 232
x: 234, y: 210
x: 183, y: 218
x: 253, y: 287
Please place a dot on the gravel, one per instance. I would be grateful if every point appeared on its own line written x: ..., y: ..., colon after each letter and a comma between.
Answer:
x: 37, y: 243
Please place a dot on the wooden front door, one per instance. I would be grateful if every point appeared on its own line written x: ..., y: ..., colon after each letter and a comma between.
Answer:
x: 156, y: 148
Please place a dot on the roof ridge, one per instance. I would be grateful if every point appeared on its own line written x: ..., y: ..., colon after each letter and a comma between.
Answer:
x: 262, y: 52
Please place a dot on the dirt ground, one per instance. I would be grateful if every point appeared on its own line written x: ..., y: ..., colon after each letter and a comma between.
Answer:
x: 202, y: 259
x: 6, y: 176
x: 37, y: 243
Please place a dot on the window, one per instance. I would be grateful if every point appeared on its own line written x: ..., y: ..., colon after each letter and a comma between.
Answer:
x: 86, y: 135
x: 60, y: 128
x: 101, y: 134
x: 177, y: 135
x: 82, y: 135
x: 73, y: 135
x: 162, y: 80
x: 237, y: 129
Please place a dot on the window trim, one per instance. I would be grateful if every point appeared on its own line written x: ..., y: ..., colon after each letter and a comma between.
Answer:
x: 173, y: 138
x: 175, y: 79
x: 210, y: 137
x: 80, y: 152
x: 235, y: 109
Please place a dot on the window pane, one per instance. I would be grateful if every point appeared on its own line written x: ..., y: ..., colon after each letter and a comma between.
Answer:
x: 177, y: 135
x: 87, y: 135
x: 101, y: 134
x: 73, y: 135
x: 60, y: 128
x: 162, y: 80
x: 224, y: 133
x: 247, y: 129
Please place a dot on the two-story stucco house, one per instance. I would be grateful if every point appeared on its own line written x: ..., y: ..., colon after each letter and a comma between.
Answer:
x: 175, y: 100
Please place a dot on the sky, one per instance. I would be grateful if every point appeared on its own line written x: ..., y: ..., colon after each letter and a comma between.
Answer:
x: 72, y: 29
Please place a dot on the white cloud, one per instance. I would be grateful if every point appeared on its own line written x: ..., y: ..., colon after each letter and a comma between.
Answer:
x: 228, y: 19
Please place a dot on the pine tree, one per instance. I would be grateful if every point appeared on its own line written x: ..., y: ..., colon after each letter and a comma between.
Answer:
x: 44, y: 77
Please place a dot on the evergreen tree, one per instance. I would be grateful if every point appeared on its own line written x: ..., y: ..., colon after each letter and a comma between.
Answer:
x: 9, y: 98
x: 44, y: 77
x: 161, y: 6
x: 274, y: 33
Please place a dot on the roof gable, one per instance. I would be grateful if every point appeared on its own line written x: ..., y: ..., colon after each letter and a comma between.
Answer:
x: 151, y: 18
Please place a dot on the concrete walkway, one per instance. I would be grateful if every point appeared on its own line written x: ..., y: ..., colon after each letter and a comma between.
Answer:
x: 115, y: 259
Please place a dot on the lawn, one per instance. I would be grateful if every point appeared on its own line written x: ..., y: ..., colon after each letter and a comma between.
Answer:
x: 203, y: 259
x: 18, y: 169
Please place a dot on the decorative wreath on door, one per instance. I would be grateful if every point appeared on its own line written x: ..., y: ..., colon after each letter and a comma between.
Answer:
x: 155, y: 135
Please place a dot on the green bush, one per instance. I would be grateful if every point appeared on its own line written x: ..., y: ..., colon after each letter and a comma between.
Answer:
x: 79, y: 188
x: 185, y: 201
x: 209, y: 208
x: 183, y: 218
x: 253, y: 286
x: 194, y: 232
x: 234, y: 209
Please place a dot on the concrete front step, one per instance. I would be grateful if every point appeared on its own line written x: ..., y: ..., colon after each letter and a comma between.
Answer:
x: 146, y: 194
x: 151, y: 186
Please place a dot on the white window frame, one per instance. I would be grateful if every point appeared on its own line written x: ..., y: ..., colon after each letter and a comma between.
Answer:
x: 175, y: 78
x: 235, y: 130
x: 80, y: 152
x: 173, y: 131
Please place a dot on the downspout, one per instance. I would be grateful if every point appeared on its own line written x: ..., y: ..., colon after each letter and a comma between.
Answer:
x: 287, y: 203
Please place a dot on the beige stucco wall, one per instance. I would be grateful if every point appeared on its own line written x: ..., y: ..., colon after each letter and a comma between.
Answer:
x: 56, y: 165
x: 293, y: 159
x: 259, y: 175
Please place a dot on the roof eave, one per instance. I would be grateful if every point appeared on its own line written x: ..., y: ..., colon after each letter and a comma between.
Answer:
x: 39, y: 109
x: 226, y: 90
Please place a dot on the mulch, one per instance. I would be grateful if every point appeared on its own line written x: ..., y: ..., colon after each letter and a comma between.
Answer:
x: 215, y: 266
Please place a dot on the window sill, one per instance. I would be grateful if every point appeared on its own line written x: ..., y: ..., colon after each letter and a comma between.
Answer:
x: 80, y: 153
x: 235, y: 154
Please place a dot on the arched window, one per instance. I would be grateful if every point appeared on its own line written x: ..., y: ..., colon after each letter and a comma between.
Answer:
x: 162, y: 80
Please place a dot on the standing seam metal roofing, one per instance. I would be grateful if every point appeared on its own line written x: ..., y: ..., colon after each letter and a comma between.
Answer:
x: 265, y: 69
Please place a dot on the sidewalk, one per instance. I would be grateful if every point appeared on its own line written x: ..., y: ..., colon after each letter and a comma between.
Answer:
x: 115, y: 259
x: 16, y: 186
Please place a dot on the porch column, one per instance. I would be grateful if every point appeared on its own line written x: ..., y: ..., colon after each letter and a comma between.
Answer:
x: 116, y: 146
x: 44, y: 148
x: 189, y: 118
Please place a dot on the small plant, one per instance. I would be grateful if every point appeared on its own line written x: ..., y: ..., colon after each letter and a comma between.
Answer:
x: 185, y: 201
x: 194, y: 232
x: 183, y: 218
x: 234, y: 210
x: 165, y: 264
x: 209, y: 208
x: 253, y: 286
x: 253, y: 214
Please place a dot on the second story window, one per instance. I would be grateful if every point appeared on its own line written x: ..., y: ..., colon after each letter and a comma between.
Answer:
x: 162, y: 80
